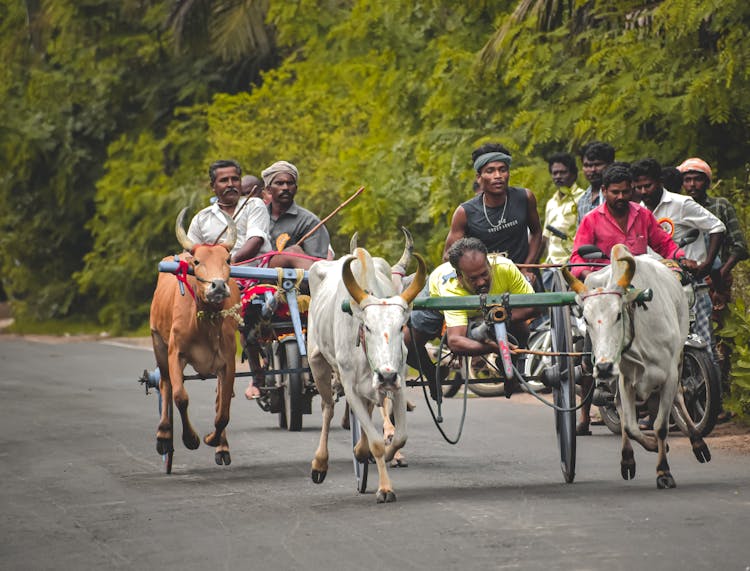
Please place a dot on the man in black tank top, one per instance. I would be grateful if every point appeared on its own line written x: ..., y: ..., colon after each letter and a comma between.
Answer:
x: 503, y: 217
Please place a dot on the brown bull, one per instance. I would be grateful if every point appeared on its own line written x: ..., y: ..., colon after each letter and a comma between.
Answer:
x: 196, y: 327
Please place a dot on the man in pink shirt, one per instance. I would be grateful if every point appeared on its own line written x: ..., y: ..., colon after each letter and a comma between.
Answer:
x: 620, y: 221
x: 617, y: 221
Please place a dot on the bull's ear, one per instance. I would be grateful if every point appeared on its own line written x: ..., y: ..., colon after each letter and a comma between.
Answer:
x: 631, y: 294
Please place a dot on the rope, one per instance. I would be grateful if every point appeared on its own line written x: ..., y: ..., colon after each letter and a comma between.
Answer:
x: 182, y: 273
x: 427, y: 397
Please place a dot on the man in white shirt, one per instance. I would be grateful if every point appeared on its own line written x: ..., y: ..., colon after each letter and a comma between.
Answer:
x: 677, y: 215
x: 249, y: 213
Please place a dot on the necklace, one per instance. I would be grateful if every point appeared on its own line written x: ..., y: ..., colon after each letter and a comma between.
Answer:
x: 501, y: 220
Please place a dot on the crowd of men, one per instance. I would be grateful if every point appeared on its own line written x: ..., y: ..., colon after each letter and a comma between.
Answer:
x: 648, y: 207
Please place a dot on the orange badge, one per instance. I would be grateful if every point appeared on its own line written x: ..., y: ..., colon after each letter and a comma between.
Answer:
x: 667, y: 225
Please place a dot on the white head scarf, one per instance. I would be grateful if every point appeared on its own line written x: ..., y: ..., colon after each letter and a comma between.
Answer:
x: 277, y: 168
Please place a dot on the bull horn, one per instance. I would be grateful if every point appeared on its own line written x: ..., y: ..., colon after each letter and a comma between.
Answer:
x: 354, y: 289
x: 182, y: 238
x: 575, y: 284
x: 419, y: 280
x: 231, y: 238
x: 627, y: 275
x: 353, y: 242
x: 403, y: 263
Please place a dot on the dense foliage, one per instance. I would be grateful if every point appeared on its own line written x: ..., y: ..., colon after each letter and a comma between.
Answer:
x: 111, y: 111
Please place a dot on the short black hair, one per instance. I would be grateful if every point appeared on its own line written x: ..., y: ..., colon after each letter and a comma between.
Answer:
x: 216, y: 165
x: 598, y: 151
x: 463, y: 245
x: 489, y: 148
x: 648, y: 167
x: 671, y: 179
x: 564, y: 159
x: 616, y: 172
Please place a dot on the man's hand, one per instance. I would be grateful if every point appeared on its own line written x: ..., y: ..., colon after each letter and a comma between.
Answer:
x: 529, y: 275
x: 689, y: 266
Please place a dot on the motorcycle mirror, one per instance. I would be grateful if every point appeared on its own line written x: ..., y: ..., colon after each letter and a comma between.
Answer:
x: 590, y: 252
x: 690, y: 237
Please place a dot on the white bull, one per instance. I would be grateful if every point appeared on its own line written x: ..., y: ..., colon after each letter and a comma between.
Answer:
x: 365, y: 350
x: 642, y: 348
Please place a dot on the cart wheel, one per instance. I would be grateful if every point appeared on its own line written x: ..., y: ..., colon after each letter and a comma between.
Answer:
x: 564, y: 394
x: 167, y: 457
x: 360, y: 468
x: 293, y: 385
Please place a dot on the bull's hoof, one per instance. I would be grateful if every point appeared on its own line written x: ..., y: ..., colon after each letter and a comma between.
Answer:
x: 345, y: 422
x: 164, y: 446
x: 665, y: 481
x: 399, y: 463
x: 191, y: 441
x: 318, y: 476
x: 213, y: 439
x: 701, y: 451
x: 223, y: 458
x: 384, y: 497
x: 627, y: 469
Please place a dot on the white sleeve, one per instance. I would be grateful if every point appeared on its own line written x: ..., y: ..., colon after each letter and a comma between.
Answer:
x: 258, y: 221
x: 693, y: 214
x: 195, y: 233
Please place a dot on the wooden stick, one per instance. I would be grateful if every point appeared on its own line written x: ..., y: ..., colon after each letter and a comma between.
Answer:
x: 236, y: 214
x: 327, y: 218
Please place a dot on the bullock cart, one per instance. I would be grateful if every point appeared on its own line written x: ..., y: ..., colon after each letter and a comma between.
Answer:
x: 287, y: 387
x: 560, y: 374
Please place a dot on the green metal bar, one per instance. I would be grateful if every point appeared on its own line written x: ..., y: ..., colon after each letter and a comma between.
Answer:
x: 471, y: 302
x: 514, y: 300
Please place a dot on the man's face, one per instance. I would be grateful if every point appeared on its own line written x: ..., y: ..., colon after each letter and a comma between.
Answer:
x: 593, y: 169
x: 227, y: 185
x: 695, y: 185
x: 283, y: 188
x: 617, y: 196
x: 474, y: 272
x: 648, y: 190
x: 493, y: 177
x: 561, y: 175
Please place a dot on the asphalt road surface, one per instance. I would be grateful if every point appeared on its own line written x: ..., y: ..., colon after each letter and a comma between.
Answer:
x: 83, y: 486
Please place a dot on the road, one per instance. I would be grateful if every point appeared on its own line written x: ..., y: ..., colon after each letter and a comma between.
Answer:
x: 83, y: 487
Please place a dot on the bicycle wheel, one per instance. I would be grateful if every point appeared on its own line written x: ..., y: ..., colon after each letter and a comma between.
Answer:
x: 564, y: 392
x: 293, y: 384
x: 700, y: 387
x: 360, y: 468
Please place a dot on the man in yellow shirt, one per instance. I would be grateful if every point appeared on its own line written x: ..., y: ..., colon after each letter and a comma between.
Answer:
x: 561, y: 212
x: 469, y: 271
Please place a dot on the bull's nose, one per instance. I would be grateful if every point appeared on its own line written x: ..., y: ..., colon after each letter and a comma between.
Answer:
x: 219, y: 287
x: 388, y: 377
x: 604, y: 369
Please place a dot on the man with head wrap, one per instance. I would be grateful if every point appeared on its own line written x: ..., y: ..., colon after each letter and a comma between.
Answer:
x: 503, y: 217
x: 288, y: 218
x: 696, y: 178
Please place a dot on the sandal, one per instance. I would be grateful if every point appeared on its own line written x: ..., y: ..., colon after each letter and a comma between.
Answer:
x: 645, y: 423
x: 724, y: 416
x: 252, y: 392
